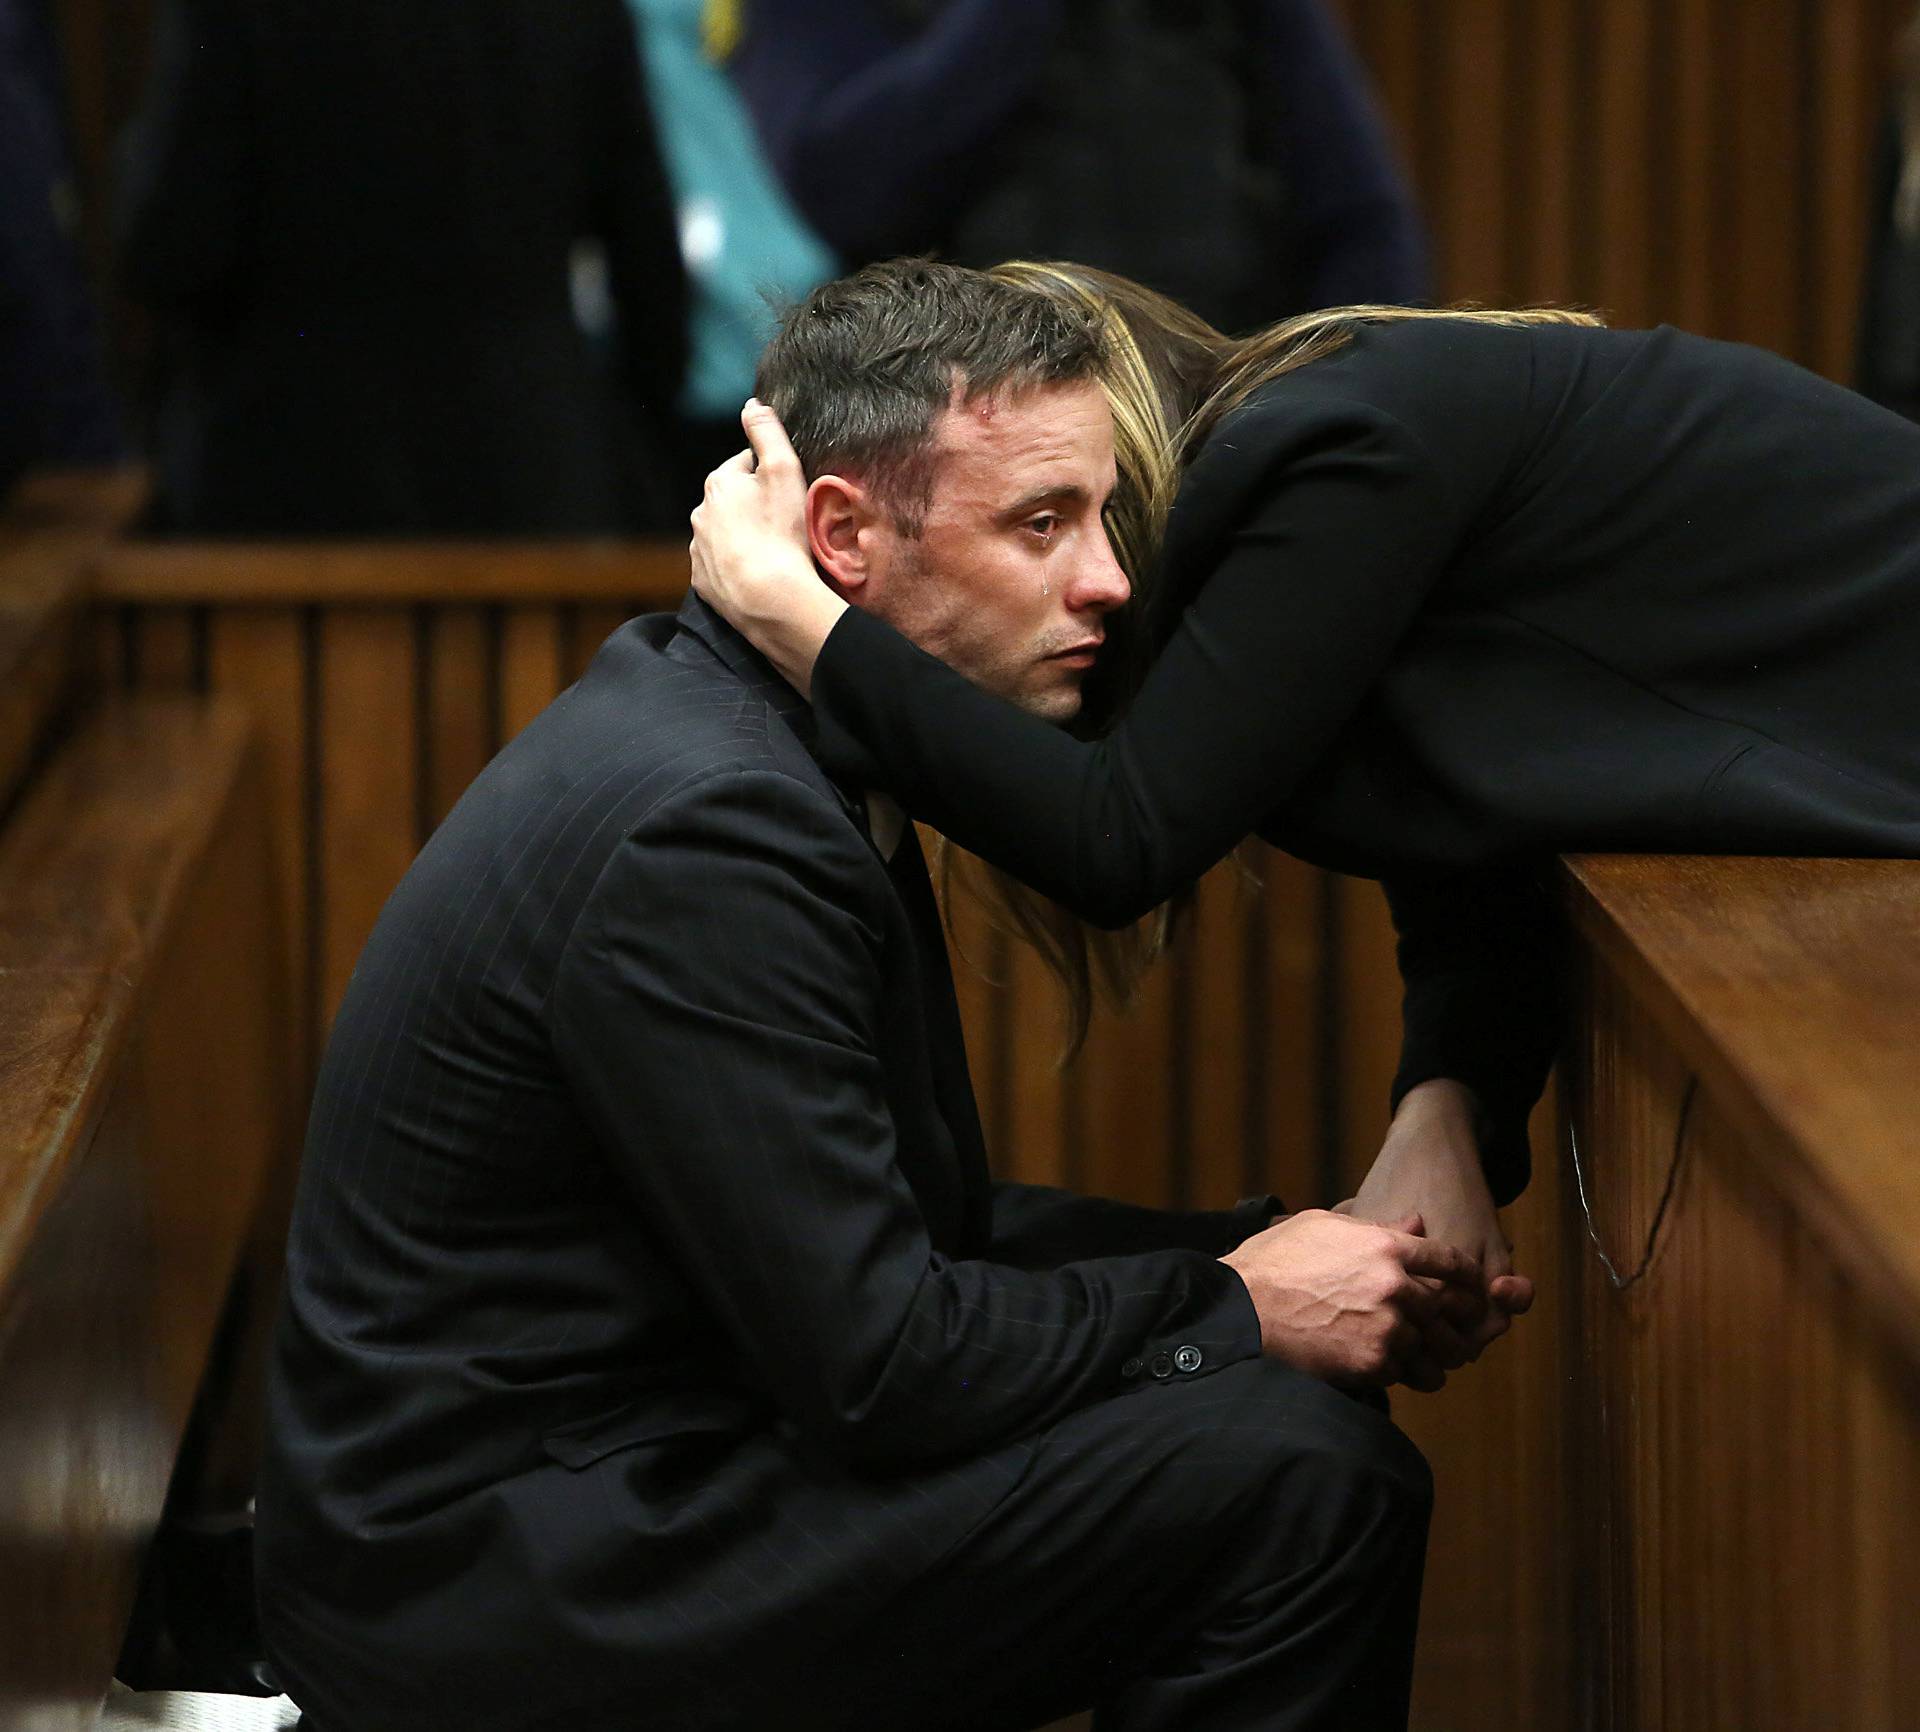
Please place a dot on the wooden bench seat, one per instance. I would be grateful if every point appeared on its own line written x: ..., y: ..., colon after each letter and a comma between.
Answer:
x: 141, y: 1098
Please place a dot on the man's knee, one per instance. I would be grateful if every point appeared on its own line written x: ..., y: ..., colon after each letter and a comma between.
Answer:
x: 1347, y: 1471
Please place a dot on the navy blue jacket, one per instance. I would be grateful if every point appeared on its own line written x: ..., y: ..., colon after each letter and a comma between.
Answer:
x: 883, y: 129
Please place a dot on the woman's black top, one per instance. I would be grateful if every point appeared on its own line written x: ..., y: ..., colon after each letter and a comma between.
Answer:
x: 1460, y: 597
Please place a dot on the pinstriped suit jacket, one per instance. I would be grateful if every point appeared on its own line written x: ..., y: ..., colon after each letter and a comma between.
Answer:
x: 649, y: 1302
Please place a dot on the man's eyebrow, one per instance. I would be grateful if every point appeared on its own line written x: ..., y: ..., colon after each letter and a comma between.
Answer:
x: 1065, y: 492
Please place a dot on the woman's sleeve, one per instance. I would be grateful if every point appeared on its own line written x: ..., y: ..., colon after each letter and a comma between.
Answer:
x: 1325, y: 527
x: 1479, y: 960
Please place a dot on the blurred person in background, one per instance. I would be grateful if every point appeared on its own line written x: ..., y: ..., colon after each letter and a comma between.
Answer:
x: 1889, y: 366
x: 747, y: 249
x: 1227, y: 152
x: 356, y: 222
x: 55, y: 408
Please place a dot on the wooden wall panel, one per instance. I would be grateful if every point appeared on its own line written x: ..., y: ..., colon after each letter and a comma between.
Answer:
x: 462, y: 729
x: 1699, y: 162
x: 367, y: 789
x: 1748, y: 1430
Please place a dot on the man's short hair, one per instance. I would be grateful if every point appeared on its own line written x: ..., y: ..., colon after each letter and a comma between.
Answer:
x: 861, y: 369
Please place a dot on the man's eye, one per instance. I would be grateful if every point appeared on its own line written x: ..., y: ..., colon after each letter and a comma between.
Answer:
x: 1044, y: 525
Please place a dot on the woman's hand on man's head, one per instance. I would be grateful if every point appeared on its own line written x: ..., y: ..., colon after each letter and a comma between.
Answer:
x: 749, y: 553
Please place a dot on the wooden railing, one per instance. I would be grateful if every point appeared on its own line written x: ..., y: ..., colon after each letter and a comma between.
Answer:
x: 142, y: 1097
x: 385, y: 676
x: 1744, y: 1091
x: 1564, y: 1571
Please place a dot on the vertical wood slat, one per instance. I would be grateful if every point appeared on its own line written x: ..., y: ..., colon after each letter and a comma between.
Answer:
x: 1547, y: 176
x: 1471, y: 216
x: 589, y: 628
x: 975, y: 951
x: 1218, y: 1035
x: 259, y: 656
x: 1126, y: 1099
x: 1289, y: 1048
x: 1622, y: 214
x: 1765, y: 195
x: 459, y: 724
x: 368, y: 798
x: 1036, y: 1137
x: 532, y: 659
x: 165, y: 650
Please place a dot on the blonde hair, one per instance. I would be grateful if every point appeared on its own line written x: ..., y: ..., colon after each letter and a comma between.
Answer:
x: 1170, y: 378
x: 1906, y: 192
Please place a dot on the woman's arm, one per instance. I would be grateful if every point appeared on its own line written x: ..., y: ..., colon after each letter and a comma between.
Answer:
x: 1320, y: 526
x: 1479, y: 957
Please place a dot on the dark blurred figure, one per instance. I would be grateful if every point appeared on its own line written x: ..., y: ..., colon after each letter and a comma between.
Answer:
x: 54, y: 404
x: 1890, y: 317
x: 1227, y: 152
x: 357, y: 219
x: 748, y: 251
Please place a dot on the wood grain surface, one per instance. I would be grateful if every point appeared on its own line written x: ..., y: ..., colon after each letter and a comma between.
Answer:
x: 142, y: 1096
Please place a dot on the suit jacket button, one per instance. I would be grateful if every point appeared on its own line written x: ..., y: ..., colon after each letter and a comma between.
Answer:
x: 1131, y: 1368
x: 1160, y: 1365
x: 1187, y: 1358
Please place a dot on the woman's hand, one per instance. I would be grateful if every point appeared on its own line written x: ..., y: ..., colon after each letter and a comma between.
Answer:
x: 750, y: 556
x: 1430, y: 1165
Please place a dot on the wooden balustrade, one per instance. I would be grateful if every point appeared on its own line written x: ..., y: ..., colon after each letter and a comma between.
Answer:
x: 1748, y: 1436
x: 1633, y: 1484
x: 142, y: 1096
x: 385, y: 676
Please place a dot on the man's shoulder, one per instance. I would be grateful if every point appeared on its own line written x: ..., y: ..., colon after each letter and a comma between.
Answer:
x: 661, y: 722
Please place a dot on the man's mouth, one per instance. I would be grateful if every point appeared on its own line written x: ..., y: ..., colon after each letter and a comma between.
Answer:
x: 1079, y: 655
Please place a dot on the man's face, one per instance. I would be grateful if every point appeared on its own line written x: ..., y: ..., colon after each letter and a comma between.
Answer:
x: 1011, y: 580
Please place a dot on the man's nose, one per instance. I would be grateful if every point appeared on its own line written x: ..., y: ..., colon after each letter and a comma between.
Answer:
x: 1099, y: 584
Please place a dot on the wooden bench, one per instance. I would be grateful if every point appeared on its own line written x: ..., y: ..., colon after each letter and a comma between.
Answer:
x: 141, y: 1097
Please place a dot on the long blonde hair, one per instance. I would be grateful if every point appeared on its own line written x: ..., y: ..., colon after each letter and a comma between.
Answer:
x: 1170, y: 378
x: 1906, y: 108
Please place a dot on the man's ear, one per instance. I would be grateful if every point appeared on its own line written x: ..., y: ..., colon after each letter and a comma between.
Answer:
x: 842, y: 522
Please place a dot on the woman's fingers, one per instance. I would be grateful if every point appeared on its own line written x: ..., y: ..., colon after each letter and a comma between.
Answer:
x: 768, y: 437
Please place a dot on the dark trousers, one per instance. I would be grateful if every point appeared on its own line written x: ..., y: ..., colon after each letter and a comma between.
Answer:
x: 1241, y: 1551
x: 1235, y: 1550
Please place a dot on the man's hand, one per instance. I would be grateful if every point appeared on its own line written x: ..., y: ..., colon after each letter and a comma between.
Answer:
x: 1430, y: 1166
x: 1355, y: 1303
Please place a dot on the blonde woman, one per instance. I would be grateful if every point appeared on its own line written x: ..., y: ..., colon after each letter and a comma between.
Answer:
x: 1442, y: 595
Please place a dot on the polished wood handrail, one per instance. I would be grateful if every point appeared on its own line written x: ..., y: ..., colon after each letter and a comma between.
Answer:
x: 52, y: 527
x: 644, y: 574
x: 1792, y: 988
x: 92, y: 871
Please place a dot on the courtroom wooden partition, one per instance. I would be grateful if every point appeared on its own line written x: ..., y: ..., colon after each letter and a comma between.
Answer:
x: 1743, y: 1086
x: 385, y: 677
x: 1704, y: 162
x: 142, y: 1096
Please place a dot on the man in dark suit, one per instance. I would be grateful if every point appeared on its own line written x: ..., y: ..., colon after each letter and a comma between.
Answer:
x: 657, y: 1349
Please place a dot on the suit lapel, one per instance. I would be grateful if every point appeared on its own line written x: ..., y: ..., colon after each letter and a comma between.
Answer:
x: 946, y: 1040
x: 946, y: 1051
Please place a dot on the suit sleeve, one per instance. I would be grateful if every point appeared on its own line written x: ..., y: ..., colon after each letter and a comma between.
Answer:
x: 718, y: 1015
x: 1307, y: 590
x: 1479, y: 960
x: 1040, y: 1227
